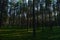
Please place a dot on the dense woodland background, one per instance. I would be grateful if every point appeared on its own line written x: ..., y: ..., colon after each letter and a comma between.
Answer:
x: 29, y: 12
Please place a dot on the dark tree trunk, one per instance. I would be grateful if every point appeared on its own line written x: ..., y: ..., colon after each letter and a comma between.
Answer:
x: 34, y: 27
x: 3, y: 4
x: 58, y: 9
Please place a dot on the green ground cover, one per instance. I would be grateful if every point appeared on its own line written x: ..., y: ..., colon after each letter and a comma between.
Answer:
x: 23, y: 34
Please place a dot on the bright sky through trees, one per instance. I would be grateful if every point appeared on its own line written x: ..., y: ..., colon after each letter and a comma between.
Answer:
x: 26, y: 1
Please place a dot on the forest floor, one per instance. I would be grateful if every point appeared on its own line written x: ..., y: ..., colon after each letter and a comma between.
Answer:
x: 22, y: 34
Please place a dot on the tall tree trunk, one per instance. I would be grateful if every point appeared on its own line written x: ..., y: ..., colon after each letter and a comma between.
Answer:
x: 34, y: 30
x: 3, y: 4
x: 58, y: 9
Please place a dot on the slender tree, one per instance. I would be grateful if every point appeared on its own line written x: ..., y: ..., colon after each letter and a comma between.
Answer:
x: 48, y: 4
x: 34, y: 27
x: 3, y: 11
x: 58, y: 9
